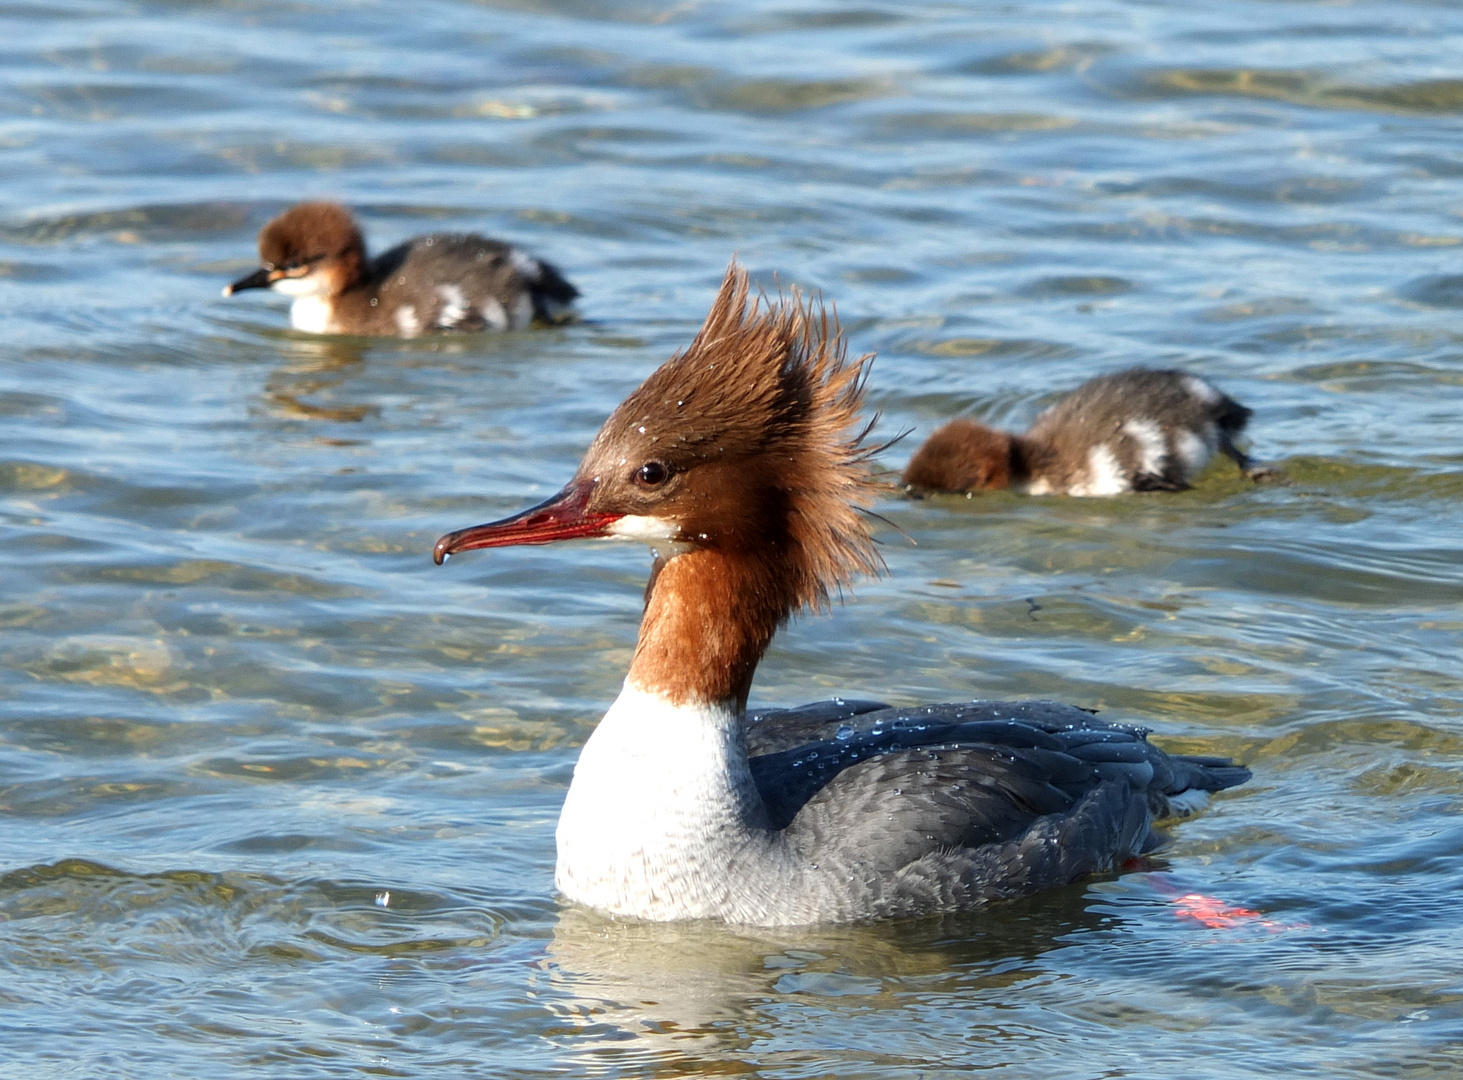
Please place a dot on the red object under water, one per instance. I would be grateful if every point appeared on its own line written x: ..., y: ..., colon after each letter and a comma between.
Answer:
x: 1213, y: 912
x: 1217, y: 915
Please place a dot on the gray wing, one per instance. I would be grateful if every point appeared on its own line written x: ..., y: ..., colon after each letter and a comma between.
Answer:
x: 472, y: 283
x: 1095, y: 413
x: 953, y: 804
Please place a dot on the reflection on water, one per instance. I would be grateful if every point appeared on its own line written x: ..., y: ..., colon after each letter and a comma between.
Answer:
x: 280, y: 794
x: 645, y: 980
x: 319, y: 369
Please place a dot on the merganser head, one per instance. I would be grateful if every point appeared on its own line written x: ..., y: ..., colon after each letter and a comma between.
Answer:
x: 962, y: 456
x: 742, y: 445
x: 313, y: 249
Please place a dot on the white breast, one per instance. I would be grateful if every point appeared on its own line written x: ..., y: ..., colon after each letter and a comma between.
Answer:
x: 312, y: 314
x: 661, y: 806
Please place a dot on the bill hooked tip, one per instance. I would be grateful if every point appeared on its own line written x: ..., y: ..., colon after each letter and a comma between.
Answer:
x: 441, y: 552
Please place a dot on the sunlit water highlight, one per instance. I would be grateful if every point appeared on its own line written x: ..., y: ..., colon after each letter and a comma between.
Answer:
x: 279, y: 794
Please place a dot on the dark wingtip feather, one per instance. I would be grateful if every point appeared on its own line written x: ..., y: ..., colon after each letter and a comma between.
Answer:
x: 551, y: 294
x: 1210, y: 773
x: 553, y: 285
x: 1232, y: 416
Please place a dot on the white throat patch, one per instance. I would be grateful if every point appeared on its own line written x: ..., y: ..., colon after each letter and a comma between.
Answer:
x: 662, y: 535
x: 309, y: 285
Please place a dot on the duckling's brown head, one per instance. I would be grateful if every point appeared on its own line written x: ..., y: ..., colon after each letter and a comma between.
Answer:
x: 312, y: 248
x: 961, y: 456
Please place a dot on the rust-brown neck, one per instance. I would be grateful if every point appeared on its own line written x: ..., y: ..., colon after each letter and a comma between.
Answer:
x: 709, y: 616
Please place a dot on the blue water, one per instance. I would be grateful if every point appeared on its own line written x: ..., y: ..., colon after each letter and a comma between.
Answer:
x: 278, y: 795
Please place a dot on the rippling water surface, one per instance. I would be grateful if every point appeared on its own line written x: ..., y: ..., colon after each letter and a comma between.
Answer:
x: 278, y: 794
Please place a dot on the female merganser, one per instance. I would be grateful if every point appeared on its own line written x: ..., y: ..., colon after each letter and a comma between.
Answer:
x: 1137, y: 430
x: 446, y: 281
x: 738, y: 462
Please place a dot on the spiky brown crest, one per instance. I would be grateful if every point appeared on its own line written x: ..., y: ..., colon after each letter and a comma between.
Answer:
x: 760, y: 413
x: 760, y: 474
x: 310, y: 232
x: 963, y: 455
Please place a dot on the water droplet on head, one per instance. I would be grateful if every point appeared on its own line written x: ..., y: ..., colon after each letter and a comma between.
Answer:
x: 844, y: 733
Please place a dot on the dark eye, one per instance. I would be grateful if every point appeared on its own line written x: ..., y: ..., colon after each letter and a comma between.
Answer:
x: 652, y: 474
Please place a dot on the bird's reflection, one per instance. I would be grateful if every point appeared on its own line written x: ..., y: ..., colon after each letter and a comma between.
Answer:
x: 704, y: 988
x: 316, y: 366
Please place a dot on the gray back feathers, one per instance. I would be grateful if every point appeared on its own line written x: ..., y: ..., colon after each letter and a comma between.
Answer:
x: 453, y: 281
x: 1136, y: 430
x: 941, y: 807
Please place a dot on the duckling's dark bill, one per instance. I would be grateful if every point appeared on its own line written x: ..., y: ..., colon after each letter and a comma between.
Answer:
x: 259, y: 279
x: 566, y: 516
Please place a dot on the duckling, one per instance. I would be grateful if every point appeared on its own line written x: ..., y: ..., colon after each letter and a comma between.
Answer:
x: 1136, y: 430
x: 315, y: 253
